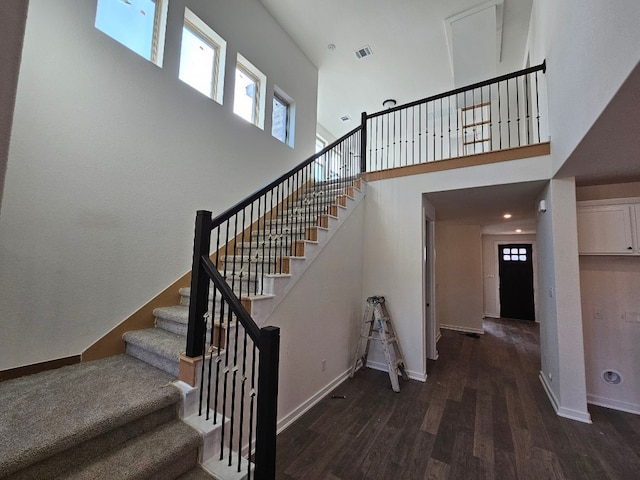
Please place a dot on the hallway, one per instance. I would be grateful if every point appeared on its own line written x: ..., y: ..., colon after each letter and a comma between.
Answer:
x: 482, y: 414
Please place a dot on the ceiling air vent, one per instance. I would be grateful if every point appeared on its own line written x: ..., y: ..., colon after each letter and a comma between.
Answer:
x: 364, y: 52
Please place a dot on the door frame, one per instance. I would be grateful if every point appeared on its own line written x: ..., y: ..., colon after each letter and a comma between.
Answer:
x: 431, y: 333
x: 534, y: 261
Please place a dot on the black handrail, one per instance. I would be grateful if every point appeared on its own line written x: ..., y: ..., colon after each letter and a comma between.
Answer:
x: 501, y: 78
x: 227, y: 214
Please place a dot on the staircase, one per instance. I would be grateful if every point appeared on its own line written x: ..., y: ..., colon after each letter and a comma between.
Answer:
x: 107, y: 419
x: 120, y: 417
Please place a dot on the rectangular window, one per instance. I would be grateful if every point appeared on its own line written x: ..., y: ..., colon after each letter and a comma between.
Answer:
x: 280, y: 119
x: 320, y: 143
x: 245, y: 102
x: 249, y: 92
x: 202, y: 57
x: 137, y: 24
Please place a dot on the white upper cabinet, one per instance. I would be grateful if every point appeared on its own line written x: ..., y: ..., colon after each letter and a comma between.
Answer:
x: 607, y: 229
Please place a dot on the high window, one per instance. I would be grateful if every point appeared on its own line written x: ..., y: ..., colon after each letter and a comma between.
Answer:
x: 249, y: 92
x: 137, y: 24
x: 283, y: 117
x: 202, y: 57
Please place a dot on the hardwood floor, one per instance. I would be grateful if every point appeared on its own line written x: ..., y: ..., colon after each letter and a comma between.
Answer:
x: 482, y: 414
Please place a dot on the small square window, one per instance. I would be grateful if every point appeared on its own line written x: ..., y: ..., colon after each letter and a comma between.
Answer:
x: 506, y: 258
x: 248, y: 99
x: 137, y: 24
x: 202, y: 57
x: 523, y: 258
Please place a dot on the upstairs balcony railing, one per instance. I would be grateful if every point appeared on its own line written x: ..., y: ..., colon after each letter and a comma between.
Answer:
x: 497, y: 114
x: 254, y: 239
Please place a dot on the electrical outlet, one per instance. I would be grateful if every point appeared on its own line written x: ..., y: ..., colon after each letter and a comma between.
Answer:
x: 324, y: 365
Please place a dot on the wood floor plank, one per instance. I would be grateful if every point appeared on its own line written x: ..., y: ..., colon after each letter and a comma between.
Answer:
x: 437, y: 470
x: 482, y: 414
x: 483, y: 429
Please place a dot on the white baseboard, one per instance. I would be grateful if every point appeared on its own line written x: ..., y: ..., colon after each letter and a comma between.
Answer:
x: 457, y: 328
x: 492, y: 315
x: 303, y: 408
x: 569, y: 413
x: 613, y: 404
x: 438, y: 336
x: 413, y: 375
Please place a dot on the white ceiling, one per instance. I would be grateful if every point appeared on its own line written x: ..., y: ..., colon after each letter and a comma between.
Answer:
x: 408, y: 38
x: 411, y: 60
x: 485, y: 206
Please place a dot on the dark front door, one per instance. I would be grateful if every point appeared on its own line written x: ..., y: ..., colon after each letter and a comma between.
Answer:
x: 515, y: 267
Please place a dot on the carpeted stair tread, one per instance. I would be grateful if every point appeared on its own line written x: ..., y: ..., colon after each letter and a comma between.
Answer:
x: 157, y: 341
x: 53, y: 411
x: 82, y: 454
x: 175, y: 313
x: 166, y: 452
x: 197, y: 473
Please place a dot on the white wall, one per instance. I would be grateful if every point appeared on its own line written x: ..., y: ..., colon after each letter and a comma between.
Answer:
x: 459, y: 276
x: 590, y: 47
x: 610, y: 286
x: 490, y: 274
x: 110, y: 158
x: 12, y: 22
x: 561, y: 336
x: 393, y: 241
x: 320, y: 320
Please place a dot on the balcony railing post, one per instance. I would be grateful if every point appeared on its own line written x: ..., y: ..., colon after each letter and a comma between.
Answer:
x: 363, y: 142
x: 267, y: 411
x: 199, y: 285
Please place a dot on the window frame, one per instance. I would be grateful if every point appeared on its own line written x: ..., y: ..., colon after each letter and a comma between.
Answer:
x: 207, y: 35
x: 158, y: 34
x: 287, y: 106
x: 260, y: 80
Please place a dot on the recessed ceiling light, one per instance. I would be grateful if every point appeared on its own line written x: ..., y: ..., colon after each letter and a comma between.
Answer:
x: 518, y: 230
x: 506, y: 215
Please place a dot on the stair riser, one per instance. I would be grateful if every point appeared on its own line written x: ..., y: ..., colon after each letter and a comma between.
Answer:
x: 184, y: 300
x: 281, y: 224
x: 169, y: 365
x: 265, y: 268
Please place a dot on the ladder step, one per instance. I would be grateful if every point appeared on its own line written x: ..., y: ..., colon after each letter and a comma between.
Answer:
x: 376, y: 325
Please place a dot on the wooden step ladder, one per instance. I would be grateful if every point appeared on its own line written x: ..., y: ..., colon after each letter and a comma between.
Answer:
x: 376, y: 325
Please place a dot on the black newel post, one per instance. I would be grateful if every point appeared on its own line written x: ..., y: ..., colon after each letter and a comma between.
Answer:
x: 267, y: 410
x: 363, y: 143
x: 199, y: 285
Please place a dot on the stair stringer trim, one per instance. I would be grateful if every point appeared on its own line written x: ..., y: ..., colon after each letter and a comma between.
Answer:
x: 276, y: 287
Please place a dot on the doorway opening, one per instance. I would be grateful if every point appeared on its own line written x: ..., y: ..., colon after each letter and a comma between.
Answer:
x: 515, y: 270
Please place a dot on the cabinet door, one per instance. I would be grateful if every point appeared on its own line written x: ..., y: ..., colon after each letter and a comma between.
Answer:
x: 605, y: 230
